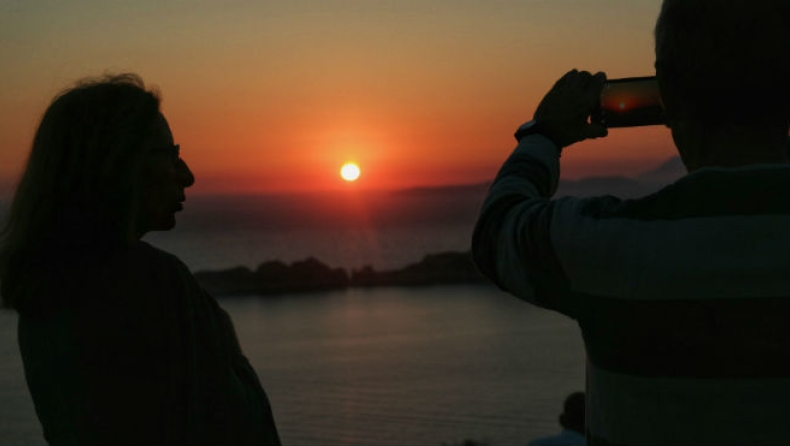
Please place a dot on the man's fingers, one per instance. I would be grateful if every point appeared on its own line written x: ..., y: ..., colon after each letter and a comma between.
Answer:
x: 583, y: 79
x: 595, y: 131
x: 566, y: 108
x: 600, y: 77
x: 566, y: 79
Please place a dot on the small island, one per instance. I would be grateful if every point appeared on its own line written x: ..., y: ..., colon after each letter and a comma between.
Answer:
x: 311, y: 275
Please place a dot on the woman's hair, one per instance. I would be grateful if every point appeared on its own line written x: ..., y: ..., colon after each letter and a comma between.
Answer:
x: 80, y: 181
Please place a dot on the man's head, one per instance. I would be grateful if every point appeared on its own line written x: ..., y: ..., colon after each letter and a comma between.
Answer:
x: 572, y: 416
x: 724, y: 64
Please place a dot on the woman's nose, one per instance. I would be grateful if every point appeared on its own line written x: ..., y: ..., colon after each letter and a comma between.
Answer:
x: 185, y: 174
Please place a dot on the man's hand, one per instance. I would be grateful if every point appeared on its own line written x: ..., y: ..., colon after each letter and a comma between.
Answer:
x: 564, y: 113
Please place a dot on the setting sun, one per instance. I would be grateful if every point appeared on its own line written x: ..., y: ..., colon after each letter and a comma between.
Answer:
x: 349, y: 172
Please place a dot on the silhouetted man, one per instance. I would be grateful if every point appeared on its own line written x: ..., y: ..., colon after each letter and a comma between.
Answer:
x: 682, y: 296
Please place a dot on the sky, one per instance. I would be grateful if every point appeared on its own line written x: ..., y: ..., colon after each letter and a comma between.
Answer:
x: 275, y: 95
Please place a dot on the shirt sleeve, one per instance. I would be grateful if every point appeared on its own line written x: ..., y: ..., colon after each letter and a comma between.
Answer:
x: 511, y: 244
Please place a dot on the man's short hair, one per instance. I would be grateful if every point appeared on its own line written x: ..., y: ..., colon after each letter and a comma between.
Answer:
x: 726, y: 60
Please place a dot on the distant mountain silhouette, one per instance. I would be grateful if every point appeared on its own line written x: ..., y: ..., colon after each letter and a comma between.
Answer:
x: 669, y: 171
x: 623, y: 186
x: 442, y: 205
x: 642, y: 184
x: 619, y: 185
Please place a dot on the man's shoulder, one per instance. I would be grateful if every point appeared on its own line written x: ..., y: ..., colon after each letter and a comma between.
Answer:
x: 708, y: 193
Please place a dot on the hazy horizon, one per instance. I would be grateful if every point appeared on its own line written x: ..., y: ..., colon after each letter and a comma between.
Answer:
x: 275, y: 96
x: 649, y: 179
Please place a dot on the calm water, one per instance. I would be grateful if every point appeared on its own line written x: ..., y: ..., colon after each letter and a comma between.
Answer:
x: 384, y: 366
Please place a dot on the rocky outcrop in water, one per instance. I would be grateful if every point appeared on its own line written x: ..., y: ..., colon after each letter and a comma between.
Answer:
x: 311, y: 275
x: 433, y: 269
x: 274, y: 277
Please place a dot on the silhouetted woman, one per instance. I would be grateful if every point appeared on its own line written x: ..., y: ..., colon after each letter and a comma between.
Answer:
x: 119, y: 342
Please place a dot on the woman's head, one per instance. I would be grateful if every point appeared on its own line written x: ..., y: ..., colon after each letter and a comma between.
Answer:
x: 162, y: 180
x: 99, y: 171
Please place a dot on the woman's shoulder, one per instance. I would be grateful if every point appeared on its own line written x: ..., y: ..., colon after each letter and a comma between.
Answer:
x: 148, y: 262
x: 146, y: 252
x: 142, y: 283
x: 153, y: 267
x: 133, y: 276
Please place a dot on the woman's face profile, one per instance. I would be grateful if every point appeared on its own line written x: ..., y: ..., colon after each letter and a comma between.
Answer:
x: 164, y: 177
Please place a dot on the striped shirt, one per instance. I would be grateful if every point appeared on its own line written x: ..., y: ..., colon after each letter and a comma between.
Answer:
x: 682, y: 296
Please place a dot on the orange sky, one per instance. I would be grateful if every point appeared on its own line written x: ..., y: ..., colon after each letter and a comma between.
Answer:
x: 277, y: 95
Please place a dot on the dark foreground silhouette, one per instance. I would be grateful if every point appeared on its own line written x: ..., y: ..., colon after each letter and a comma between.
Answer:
x: 311, y: 275
x: 120, y: 344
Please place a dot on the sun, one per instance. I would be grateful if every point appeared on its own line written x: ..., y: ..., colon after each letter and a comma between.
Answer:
x: 350, y: 172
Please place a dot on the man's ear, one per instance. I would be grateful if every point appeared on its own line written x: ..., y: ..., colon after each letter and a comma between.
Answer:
x: 667, y: 95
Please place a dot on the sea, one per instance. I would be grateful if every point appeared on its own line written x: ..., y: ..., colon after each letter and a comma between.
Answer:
x: 439, y: 365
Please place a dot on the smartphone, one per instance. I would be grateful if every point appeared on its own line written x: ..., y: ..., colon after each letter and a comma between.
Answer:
x: 629, y: 102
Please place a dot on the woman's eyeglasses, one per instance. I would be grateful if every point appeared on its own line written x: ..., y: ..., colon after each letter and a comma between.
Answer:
x: 172, y: 151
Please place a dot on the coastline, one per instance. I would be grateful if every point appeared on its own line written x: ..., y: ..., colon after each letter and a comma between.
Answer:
x: 272, y: 278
